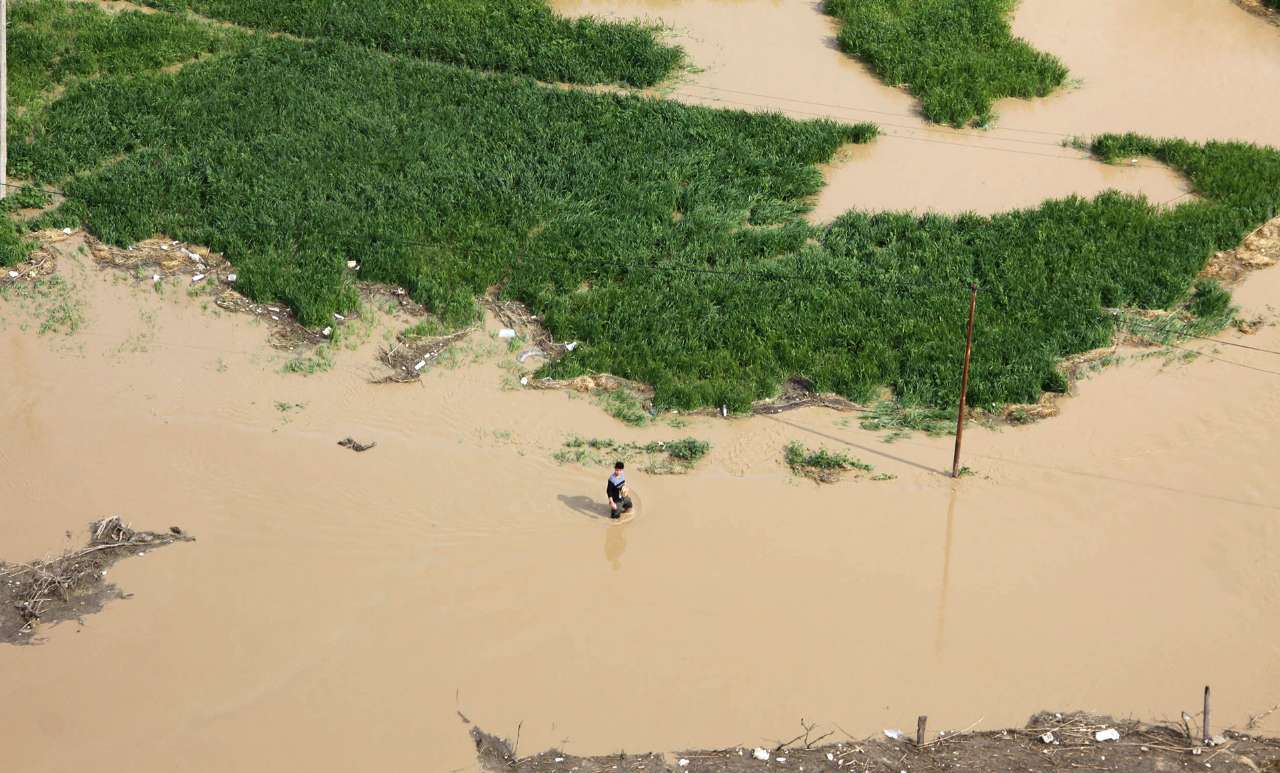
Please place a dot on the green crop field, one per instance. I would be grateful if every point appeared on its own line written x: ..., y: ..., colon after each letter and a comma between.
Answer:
x: 516, y: 36
x: 956, y: 56
x: 667, y: 239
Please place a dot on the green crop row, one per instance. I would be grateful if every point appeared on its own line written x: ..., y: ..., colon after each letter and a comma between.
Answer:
x: 515, y: 36
x: 666, y: 239
x: 956, y: 56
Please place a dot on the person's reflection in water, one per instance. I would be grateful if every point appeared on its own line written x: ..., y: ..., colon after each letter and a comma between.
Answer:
x: 615, y: 544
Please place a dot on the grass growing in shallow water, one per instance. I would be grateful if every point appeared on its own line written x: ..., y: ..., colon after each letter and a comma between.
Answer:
x: 901, y: 420
x: 657, y: 458
x: 822, y: 465
x: 956, y: 56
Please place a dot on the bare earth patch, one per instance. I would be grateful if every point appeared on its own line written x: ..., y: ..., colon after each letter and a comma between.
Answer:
x: 1048, y: 742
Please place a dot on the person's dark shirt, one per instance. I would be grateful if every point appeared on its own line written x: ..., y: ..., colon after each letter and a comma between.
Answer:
x: 614, y: 488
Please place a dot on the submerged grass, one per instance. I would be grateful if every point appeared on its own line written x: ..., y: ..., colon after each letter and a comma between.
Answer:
x: 657, y: 458
x: 899, y: 420
x: 666, y: 238
x: 515, y: 36
x: 821, y: 465
x: 956, y: 56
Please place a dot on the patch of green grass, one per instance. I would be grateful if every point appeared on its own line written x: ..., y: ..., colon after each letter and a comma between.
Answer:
x: 1209, y: 301
x: 956, y: 56
x: 515, y: 36
x: 623, y: 405
x: 821, y: 465
x: 13, y: 248
x: 26, y: 197
x: 318, y: 360
x: 55, y: 42
x: 900, y: 420
x: 656, y: 458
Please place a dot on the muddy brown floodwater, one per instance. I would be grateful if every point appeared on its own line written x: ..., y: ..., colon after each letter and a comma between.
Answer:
x: 339, y: 608
x: 1201, y: 69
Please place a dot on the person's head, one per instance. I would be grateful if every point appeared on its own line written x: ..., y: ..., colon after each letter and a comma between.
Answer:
x: 617, y: 468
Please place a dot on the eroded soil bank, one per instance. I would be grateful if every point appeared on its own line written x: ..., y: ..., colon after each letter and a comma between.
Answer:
x: 1197, y: 69
x: 1049, y: 740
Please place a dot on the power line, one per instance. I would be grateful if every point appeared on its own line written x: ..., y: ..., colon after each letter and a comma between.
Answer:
x: 1132, y: 324
x: 860, y: 109
x: 1228, y: 362
x: 957, y: 133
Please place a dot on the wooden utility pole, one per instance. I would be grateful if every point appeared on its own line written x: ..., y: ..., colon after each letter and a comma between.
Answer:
x: 4, y: 98
x: 964, y: 379
x: 1206, y: 737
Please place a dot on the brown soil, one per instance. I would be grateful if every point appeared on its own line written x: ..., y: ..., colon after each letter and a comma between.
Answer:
x: 72, y: 585
x: 1049, y: 741
x: 1256, y: 8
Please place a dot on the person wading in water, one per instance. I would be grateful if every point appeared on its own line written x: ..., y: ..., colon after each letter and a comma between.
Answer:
x: 616, y: 490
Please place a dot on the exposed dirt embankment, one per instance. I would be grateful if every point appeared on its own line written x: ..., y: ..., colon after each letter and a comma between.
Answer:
x: 1050, y: 741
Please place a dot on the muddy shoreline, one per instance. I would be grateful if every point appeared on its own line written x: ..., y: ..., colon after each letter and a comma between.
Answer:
x: 1050, y: 740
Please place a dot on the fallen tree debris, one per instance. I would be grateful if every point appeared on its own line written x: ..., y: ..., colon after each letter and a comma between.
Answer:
x: 73, y: 584
x: 356, y: 446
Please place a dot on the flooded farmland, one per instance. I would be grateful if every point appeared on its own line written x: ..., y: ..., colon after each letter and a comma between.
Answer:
x: 339, y: 610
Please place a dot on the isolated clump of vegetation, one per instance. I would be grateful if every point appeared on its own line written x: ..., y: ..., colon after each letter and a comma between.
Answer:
x: 515, y: 36
x: 956, y: 56
x: 657, y: 458
x: 821, y: 465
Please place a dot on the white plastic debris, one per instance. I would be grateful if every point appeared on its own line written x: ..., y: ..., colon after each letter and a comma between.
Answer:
x: 338, y: 316
x: 506, y: 332
x: 277, y: 319
x: 1110, y: 734
x: 164, y: 247
x: 571, y: 346
x: 421, y: 364
x: 831, y: 757
x: 197, y: 277
x: 893, y: 733
x: 231, y: 277
x: 1047, y: 737
x: 760, y: 754
x: 683, y: 762
x: 559, y: 759
x: 13, y: 274
x: 779, y: 759
x: 524, y: 381
x: 155, y: 277
x: 352, y: 264
x: 327, y: 331
x: 67, y: 231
